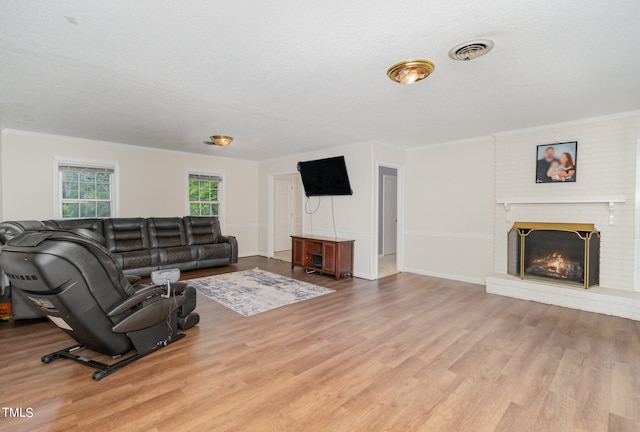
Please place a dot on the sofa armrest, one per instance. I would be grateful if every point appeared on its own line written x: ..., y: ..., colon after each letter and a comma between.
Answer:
x: 234, y: 246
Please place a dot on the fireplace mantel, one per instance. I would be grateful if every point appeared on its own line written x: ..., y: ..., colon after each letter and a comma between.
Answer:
x: 611, y: 201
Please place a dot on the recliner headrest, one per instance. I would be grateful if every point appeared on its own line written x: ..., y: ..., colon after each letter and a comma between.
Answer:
x: 91, y: 235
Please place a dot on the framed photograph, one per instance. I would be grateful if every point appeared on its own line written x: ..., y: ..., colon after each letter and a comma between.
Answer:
x: 557, y: 163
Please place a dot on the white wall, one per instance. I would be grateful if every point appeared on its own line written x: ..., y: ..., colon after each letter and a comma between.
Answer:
x: 355, y: 215
x: 606, y: 167
x: 449, y: 210
x: 298, y: 202
x: 151, y: 182
x: 449, y: 223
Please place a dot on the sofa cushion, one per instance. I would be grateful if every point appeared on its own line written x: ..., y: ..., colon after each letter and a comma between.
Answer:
x: 210, y: 255
x: 178, y: 255
x: 137, y: 259
x: 201, y: 230
x: 214, y: 251
x: 126, y: 234
x: 166, y: 232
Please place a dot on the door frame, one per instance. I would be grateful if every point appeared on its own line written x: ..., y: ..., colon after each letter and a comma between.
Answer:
x: 270, y: 209
x: 384, y: 197
x: 287, y: 181
x: 401, y: 215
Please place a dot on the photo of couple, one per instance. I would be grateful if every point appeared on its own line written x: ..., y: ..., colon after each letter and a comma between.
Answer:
x: 556, y: 162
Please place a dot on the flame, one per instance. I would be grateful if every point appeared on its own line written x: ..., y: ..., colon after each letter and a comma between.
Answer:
x: 555, y: 261
x: 556, y: 266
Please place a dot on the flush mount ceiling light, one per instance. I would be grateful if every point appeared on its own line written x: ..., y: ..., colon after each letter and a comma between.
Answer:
x: 410, y: 71
x: 219, y: 140
x: 471, y: 49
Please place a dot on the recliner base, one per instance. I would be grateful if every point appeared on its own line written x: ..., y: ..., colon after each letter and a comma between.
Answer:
x: 103, y: 368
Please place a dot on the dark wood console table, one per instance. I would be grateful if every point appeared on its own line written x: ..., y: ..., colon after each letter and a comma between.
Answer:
x: 323, y: 254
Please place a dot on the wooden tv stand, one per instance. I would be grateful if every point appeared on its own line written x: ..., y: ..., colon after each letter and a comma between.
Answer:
x: 323, y: 254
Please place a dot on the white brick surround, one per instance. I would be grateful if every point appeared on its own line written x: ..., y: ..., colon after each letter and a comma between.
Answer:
x: 606, y: 163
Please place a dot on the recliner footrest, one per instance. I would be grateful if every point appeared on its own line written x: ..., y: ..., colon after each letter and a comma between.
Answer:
x: 149, y: 315
x: 191, y: 320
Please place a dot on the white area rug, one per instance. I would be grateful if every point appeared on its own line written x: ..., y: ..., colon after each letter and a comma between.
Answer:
x: 255, y: 291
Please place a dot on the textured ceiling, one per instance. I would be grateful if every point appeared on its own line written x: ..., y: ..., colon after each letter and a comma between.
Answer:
x: 291, y: 76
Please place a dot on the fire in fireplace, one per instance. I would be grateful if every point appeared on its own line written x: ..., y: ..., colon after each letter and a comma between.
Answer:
x: 554, y: 265
x: 567, y: 253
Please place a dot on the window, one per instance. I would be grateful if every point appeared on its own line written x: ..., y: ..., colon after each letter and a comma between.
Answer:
x: 85, y: 192
x: 204, y: 195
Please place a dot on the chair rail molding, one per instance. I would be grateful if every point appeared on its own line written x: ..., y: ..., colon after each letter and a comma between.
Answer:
x: 611, y: 201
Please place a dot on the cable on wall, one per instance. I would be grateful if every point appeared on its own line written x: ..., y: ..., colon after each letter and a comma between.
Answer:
x: 307, y: 210
x: 333, y: 215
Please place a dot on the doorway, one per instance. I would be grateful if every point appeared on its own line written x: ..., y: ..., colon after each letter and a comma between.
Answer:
x: 387, y: 221
x: 287, y: 214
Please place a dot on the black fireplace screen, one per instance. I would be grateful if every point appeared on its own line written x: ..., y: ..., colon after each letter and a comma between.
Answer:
x: 568, y: 253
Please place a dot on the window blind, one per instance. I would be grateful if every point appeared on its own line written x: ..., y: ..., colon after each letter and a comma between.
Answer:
x: 76, y: 168
x: 207, y: 178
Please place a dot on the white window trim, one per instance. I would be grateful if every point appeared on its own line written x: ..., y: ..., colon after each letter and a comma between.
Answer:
x: 221, y: 193
x: 57, y: 193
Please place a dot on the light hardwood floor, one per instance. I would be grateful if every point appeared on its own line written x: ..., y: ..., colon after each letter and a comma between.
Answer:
x: 406, y: 353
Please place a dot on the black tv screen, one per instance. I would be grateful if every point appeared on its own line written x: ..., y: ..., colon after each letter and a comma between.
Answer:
x: 325, y: 177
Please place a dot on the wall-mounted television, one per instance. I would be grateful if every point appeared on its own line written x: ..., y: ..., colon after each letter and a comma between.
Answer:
x: 325, y: 177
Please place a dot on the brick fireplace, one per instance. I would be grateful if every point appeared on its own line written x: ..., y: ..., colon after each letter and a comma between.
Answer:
x: 606, y: 198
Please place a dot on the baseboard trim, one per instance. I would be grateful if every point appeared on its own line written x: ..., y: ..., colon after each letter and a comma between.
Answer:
x: 461, y: 278
x: 248, y: 254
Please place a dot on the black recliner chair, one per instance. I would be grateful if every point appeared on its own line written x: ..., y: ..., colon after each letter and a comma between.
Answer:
x: 21, y: 307
x: 78, y: 285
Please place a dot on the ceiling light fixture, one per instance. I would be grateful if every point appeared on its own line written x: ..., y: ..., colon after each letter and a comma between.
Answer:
x: 219, y: 140
x: 410, y: 71
x: 471, y: 50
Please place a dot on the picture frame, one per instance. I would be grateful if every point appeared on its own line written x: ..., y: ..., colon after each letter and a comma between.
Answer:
x: 557, y: 162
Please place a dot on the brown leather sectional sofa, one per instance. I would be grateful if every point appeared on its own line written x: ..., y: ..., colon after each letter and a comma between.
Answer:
x: 142, y: 245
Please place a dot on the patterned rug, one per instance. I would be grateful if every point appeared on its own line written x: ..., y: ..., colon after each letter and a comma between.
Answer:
x: 255, y: 291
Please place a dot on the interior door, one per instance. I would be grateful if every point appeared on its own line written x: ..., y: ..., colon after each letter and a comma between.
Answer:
x: 283, y: 212
x: 389, y: 214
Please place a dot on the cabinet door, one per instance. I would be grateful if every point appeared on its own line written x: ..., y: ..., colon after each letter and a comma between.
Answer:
x: 297, y: 252
x: 329, y: 257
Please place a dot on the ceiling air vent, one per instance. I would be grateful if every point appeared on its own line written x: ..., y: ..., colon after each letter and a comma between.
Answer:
x: 470, y: 50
